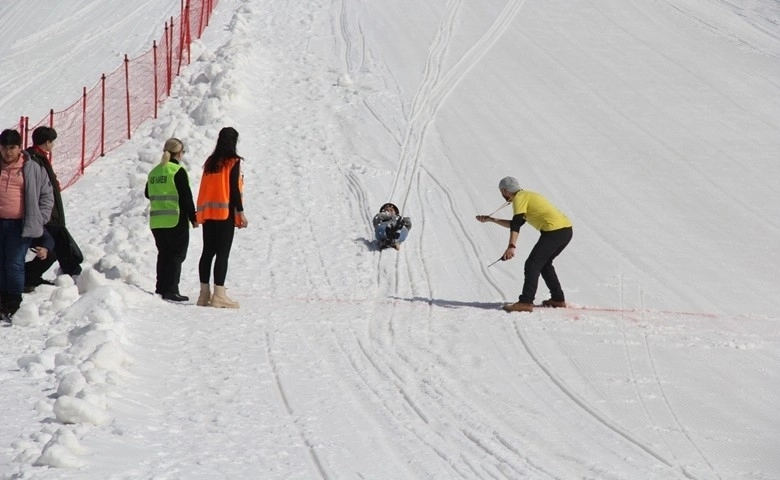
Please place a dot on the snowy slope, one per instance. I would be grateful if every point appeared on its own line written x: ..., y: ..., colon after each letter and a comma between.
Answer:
x: 652, y: 125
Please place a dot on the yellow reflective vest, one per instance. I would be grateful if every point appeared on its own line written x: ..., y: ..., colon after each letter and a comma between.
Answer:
x: 164, y: 198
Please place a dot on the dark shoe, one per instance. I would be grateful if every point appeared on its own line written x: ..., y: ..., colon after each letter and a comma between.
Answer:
x: 6, y: 318
x: 175, y: 297
x: 554, y: 303
x: 29, y: 287
x: 11, y: 303
x: 518, y: 307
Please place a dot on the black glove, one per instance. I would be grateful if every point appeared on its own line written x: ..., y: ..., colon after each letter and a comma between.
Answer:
x: 394, y: 231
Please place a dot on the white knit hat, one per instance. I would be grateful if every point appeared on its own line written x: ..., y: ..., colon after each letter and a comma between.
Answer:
x: 510, y: 184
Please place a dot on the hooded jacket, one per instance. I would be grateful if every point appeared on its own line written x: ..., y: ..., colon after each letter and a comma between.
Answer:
x: 38, y: 198
x: 58, y: 213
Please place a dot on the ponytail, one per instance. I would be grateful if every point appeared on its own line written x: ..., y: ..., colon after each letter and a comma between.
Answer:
x: 172, y: 147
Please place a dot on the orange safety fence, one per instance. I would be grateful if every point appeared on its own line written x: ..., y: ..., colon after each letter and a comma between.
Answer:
x: 107, y: 115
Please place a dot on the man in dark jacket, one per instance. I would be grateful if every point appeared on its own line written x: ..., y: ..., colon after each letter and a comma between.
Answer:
x: 64, y: 252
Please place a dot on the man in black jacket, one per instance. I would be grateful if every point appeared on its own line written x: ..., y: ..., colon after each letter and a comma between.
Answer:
x: 65, y: 251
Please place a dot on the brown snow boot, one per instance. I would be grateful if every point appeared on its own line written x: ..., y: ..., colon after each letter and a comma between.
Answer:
x: 518, y: 307
x: 221, y: 300
x: 554, y: 303
x: 205, y: 295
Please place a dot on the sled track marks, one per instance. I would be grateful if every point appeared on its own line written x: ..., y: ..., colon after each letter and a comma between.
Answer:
x: 345, y: 36
x: 593, y: 412
x: 349, y: 49
x: 418, y: 405
x: 465, y: 238
x: 394, y: 402
x: 699, y: 22
x: 667, y: 403
x: 435, y: 88
x: 288, y: 409
x: 633, y: 371
x: 451, y: 79
x: 415, y: 131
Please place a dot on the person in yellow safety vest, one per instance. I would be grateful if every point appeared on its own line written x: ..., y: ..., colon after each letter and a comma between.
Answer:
x: 220, y: 211
x: 556, y: 233
x: 171, y: 212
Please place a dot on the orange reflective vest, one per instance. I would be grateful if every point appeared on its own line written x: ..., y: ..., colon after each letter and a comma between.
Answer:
x: 214, y: 194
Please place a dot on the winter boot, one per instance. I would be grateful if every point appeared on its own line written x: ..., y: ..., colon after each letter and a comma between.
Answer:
x: 205, y: 295
x: 175, y: 297
x: 221, y: 300
x: 519, y: 307
x: 554, y: 303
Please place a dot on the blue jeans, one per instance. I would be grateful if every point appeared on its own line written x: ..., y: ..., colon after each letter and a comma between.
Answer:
x: 13, y: 248
x: 381, y: 233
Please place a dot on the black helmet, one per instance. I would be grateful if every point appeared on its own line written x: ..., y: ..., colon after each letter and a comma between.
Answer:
x: 388, y: 206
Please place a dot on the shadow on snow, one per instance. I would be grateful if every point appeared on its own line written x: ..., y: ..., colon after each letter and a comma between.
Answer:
x: 452, y: 303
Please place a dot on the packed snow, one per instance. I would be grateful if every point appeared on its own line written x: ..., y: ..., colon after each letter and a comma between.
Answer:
x: 652, y: 125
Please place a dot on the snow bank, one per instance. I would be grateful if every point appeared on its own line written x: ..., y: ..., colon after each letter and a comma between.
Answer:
x: 83, y: 359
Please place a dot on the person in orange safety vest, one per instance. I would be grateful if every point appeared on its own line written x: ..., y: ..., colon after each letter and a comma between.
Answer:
x: 220, y: 209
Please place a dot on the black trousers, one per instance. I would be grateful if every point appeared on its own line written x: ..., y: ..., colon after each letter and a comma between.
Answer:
x: 172, y: 244
x: 217, y: 242
x: 35, y: 268
x: 540, y: 261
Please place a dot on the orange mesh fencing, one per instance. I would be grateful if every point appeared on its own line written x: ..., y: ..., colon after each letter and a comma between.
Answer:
x: 107, y: 115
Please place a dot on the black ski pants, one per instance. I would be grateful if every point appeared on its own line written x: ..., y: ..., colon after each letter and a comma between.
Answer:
x: 217, y: 242
x: 540, y: 261
x: 172, y: 244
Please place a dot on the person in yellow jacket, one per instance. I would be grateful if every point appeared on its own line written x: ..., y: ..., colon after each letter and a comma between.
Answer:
x: 171, y: 212
x: 220, y: 209
x: 555, y: 234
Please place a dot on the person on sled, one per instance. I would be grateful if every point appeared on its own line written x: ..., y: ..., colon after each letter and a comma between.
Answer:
x: 390, y: 228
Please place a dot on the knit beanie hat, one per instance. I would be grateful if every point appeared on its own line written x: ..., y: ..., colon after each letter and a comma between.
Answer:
x: 510, y: 184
